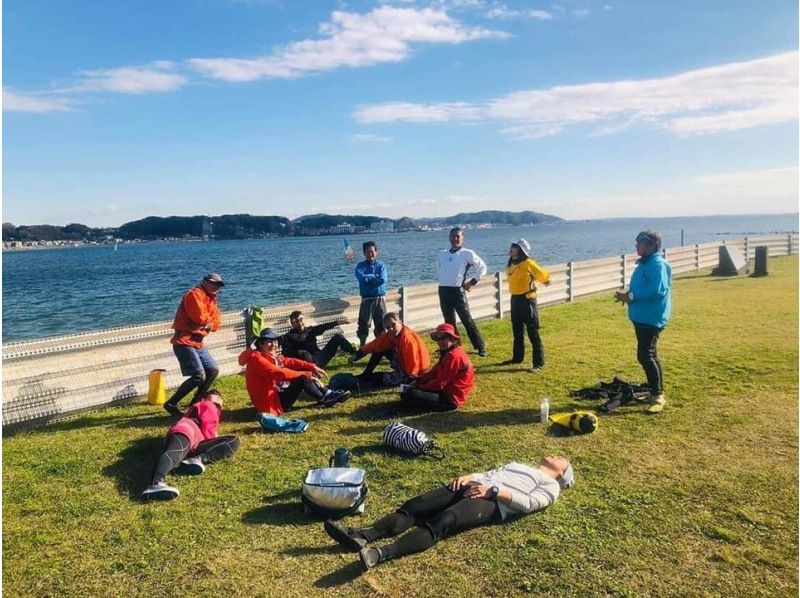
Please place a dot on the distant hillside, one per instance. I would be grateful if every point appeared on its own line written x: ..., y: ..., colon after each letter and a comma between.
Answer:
x: 246, y: 226
x: 328, y: 220
x: 228, y: 226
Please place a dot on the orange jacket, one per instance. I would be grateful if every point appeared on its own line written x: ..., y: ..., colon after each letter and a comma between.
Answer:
x: 412, y: 354
x: 262, y: 374
x: 197, y: 310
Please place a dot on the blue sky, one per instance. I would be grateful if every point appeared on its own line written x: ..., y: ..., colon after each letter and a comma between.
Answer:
x: 113, y: 111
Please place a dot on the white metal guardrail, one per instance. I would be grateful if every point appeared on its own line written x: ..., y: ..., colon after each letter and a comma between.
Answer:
x: 51, y: 378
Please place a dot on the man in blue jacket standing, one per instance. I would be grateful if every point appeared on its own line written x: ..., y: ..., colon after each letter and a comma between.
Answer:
x: 372, y: 279
x: 649, y: 301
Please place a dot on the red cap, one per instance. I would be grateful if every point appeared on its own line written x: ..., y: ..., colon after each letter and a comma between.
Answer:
x: 443, y: 330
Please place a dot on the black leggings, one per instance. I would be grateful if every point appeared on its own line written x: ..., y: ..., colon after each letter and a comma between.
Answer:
x: 427, y: 399
x: 439, y: 513
x: 336, y: 342
x: 289, y: 395
x: 647, y: 354
x: 525, y: 317
x: 452, y: 301
x: 177, y: 449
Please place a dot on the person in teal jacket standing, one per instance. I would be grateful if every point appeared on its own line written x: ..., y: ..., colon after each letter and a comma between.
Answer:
x: 649, y: 301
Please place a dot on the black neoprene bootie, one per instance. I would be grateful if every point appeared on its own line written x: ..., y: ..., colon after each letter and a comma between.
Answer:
x: 370, y: 557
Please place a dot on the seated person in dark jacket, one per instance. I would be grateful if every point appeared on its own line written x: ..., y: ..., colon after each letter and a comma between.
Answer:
x: 301, y: 341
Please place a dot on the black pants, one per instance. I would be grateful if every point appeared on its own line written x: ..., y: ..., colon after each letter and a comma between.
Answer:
x: 525, y: 317
x: 439, y: 513
x: 371, y: 308
x: 647, y: 354
x: 289, y: 395
x: 427, y: 399
x: 453, y: 300
x: 336, y: 342
x: 177, y: 449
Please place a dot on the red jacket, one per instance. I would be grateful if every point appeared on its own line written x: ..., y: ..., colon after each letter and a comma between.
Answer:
x: 453, y: 374
x: 197, y: 310
x: 263, y: 373
x: 198, y: 423
x: 412, y: 354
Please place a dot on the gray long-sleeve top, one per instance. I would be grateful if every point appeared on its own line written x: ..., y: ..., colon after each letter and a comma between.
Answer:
x: 531, y: 489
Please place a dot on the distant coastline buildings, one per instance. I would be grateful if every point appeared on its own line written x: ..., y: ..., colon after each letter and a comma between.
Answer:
x: 246, y: 226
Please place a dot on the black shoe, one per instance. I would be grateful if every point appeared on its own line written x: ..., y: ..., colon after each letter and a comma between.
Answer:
x: 346, y: 536
x: 370, y: 557
x: 334, y: 396
x: 173, y: 410
x: 482, y: 353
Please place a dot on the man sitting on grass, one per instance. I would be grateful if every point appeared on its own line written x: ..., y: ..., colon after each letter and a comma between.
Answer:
x: 301, y: 340
x: 466, y: 502
x: 402, y: 347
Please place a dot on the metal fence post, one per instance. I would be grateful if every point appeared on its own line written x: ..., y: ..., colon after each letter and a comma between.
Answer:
x: 747, y: 249
x: 499, y: 283
x: 570, y: 282
x: 403, y: 305
x: 789, y: 243
x: 696, y: 256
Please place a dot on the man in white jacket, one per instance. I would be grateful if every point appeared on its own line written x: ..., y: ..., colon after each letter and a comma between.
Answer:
x: 466, y: 502
x: 453, y: 266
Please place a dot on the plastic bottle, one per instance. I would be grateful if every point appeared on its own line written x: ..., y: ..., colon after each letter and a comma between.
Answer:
x: 544, y: 410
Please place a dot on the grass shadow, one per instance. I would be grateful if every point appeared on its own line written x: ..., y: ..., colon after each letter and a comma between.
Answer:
x: 340, y: 577
x: 284, y: 513
x: 134, y: 466
x: 309, y: 550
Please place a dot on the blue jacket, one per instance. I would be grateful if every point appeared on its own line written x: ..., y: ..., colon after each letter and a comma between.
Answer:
x: 372, y: 278
x: 651, y: 287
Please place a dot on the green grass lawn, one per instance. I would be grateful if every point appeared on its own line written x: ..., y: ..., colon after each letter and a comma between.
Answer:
x: 700, y: 500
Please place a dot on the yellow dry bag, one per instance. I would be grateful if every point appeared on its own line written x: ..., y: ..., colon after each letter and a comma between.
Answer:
x: 157, y: 392
x: 579, y: 421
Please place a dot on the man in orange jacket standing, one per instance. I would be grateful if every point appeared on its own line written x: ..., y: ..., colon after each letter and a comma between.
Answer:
x: 197, y: 316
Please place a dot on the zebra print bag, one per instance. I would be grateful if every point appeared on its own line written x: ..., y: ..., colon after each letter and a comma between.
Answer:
x: 410, y: 441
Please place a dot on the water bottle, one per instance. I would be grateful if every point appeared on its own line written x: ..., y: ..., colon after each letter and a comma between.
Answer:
x: 544, y: 410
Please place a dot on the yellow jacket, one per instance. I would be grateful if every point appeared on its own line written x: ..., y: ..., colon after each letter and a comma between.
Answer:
x: 522, y: 278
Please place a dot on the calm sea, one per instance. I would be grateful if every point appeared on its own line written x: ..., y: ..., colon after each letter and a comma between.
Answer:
x: 61, y: 291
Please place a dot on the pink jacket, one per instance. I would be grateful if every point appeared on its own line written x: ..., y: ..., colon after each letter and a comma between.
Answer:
x: 198, y: 423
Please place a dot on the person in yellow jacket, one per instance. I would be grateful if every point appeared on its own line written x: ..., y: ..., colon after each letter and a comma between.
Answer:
x: 523, y: 273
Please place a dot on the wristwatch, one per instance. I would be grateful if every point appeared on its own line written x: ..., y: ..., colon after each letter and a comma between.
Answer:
x: 494, y: 492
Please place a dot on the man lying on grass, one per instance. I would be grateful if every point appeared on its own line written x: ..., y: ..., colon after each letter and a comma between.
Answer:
x: 466, y: 502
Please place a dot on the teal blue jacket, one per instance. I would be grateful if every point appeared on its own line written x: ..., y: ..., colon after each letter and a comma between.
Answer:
x: 651, y: 290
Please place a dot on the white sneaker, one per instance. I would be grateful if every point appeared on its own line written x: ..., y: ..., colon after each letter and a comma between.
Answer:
x: 160, y: 491
x: 192, y: 466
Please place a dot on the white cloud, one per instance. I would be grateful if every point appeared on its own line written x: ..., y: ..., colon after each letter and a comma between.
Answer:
x: 159, y: 76
x: 15, y: 101
x: 349, y: 40
x: 399, y: 207
x: 721, y: 98
x: 754, y: 183
x: 501, y: 11
x: 369, y: 138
